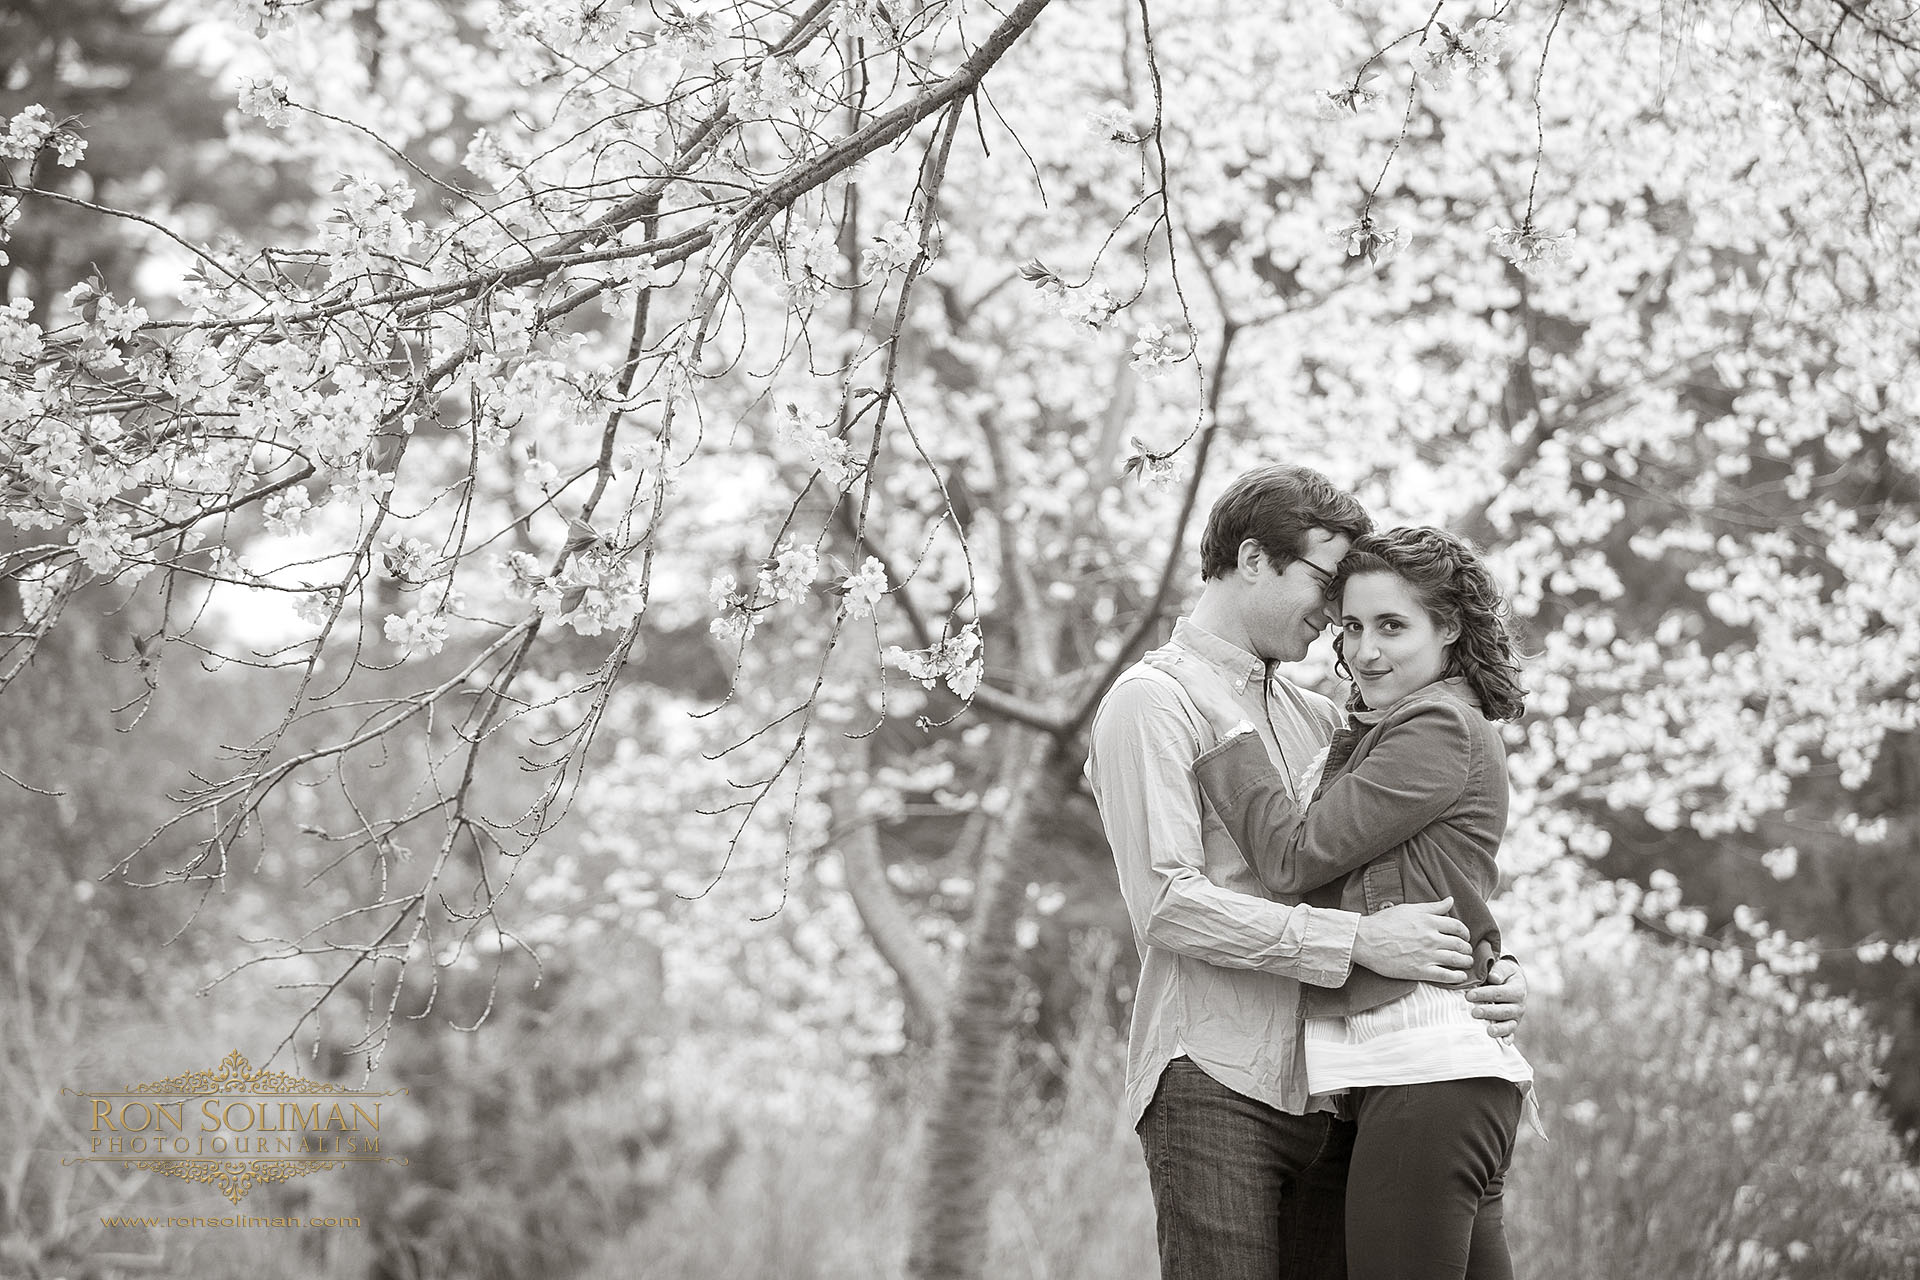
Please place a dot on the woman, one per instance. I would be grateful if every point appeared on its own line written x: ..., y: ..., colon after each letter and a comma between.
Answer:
x: 1409, y: 807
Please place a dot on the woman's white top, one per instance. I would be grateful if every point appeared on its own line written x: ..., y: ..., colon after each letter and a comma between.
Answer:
x: 1428, y: 1034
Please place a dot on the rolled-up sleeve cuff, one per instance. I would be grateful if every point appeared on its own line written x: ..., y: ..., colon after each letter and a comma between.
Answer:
x: 1325, y: 957
x: 1240, y: 735
x: 1238, y: 767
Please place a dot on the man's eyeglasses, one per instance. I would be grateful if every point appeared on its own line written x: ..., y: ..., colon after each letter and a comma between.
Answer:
x: 1323, y: 576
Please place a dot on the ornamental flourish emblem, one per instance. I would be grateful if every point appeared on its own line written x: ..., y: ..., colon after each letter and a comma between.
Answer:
x: 235, y: 1127
x: 236, y: 1075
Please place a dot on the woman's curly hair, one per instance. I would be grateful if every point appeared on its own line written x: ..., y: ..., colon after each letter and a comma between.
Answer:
x: 1451, y: 581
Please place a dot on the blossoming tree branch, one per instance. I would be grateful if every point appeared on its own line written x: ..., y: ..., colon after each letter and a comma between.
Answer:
x: 871, y: 361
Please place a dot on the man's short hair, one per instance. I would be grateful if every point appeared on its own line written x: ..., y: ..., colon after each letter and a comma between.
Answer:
x: 1275, y: 506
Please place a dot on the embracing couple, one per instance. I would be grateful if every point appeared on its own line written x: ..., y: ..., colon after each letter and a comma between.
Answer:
x: 1320, y: 1067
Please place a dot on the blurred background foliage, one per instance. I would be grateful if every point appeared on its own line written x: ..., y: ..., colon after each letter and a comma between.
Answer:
x: 684, y: 1073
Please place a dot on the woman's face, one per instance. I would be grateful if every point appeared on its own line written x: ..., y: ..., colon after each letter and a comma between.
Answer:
x: 1390, y: 643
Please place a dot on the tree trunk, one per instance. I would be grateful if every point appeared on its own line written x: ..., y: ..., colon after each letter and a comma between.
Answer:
x: 855, y: 837
x: 950, y: 1215
x: 888, y: 923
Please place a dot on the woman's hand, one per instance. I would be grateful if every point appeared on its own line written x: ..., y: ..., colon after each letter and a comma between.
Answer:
x: 1221, y: 711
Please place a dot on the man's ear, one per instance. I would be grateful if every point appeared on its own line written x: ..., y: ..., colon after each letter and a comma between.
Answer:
x: 1252, y: 556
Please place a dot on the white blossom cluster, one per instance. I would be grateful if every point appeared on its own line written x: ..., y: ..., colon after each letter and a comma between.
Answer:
x: 771, y: 87
x: 416, y: 631
x: 267, y: 101
x: 1090, y: 306
x: 957, y: 660
x: 895, y: 248
x: 1371, y: 239
x: 1153, y: 351
x: 369, y: 230
x: 785, y: 577
x: 1531, y: 249
x: 1343, y: 102
x: 862, y: 589
x: 1113, y: 124
x: 801, y: 263
x: 1472, y: 54
x: 33, y: 129
x: 816, y: 446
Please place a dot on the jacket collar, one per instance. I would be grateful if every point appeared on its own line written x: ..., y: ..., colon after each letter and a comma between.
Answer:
x: 1455, y: 687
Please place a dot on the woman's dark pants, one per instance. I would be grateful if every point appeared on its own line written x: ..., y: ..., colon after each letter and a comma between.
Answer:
x: 1424, y: 1193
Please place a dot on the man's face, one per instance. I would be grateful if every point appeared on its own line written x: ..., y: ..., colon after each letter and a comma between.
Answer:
x: 1287, y: 607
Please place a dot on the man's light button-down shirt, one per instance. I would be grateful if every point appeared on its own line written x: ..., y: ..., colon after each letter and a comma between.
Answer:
x: 1220, y: 960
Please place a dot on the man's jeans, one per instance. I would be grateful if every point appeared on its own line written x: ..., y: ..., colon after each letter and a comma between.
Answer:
x: 1242, y: 1191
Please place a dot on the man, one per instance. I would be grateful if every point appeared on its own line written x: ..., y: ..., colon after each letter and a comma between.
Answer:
x: 1248, y: 1171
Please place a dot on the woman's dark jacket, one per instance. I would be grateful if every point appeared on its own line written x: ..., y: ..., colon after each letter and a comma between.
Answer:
x: 1414, y: 814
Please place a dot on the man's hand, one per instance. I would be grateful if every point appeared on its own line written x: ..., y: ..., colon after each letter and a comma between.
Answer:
x: 1417, y: 940
x: 1503, y: 1000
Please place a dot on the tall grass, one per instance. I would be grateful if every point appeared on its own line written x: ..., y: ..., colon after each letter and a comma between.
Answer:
x: 1703, y: 1128
x: 1071, y: 1201
x: 1700, y: 1130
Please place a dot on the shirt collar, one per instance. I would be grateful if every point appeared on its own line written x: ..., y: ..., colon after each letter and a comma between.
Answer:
x: 1239, y: 666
